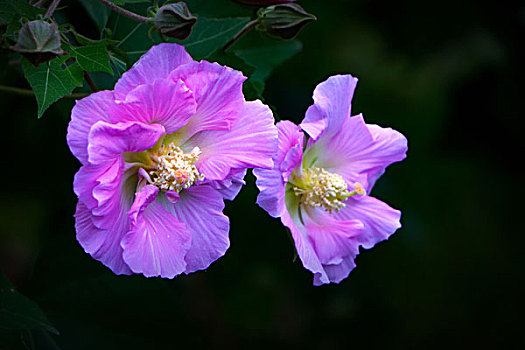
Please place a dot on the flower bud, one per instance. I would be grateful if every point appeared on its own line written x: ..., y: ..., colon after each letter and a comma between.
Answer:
x: 284, y: 21
x: 38, y: 41
x: 175, y: 20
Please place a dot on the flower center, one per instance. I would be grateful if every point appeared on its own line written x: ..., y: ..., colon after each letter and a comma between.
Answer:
x: 175, y: 170
x: 320, y: 188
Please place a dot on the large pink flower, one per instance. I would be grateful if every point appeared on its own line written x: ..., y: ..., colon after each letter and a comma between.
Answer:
x: 159, y: 155
x: 318, y: 187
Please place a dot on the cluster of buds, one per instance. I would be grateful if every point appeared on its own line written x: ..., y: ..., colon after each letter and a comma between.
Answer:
x: 39, y: 40
x: 280, y: 18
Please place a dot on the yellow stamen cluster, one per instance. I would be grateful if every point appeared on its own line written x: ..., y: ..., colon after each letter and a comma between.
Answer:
x: 174, y: 169
x: 317, y: 187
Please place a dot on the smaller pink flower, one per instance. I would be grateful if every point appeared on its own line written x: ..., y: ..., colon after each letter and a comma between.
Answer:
x: 319, y: 185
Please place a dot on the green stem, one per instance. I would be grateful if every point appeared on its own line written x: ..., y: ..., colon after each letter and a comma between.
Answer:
x: 28, y: 92
x: 51, y: 8
x: 240, y: 34
x: 125, y: 12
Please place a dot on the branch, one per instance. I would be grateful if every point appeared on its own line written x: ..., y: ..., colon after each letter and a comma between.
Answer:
x: 90, y: 82
x: 240, y: 34
x: 125, y: 12
x: 51, y: 8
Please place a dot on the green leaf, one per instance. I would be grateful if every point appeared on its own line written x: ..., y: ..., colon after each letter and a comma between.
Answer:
x: 92, y: 57
x: 231, y: 60
x: 14, y: 9
x: 211, y: 34
x: 18, y: 312
x: 11, y: 31
x: 52, y: 80
x: 97, y: 11
x: 266, y: 58
x: 118, y: 66
x: 132, y: 38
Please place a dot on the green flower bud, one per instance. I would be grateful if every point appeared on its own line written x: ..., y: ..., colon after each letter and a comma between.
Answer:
x: 174, y: 20
x: 38, y: 41
x: 284, y: 20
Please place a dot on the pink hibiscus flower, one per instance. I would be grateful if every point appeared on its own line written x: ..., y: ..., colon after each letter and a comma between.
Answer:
x: 159, y: 155
x: 318, y: 187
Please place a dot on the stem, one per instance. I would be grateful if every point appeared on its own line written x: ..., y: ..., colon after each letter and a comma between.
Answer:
x: 51, y: 8
x: 39, y: 3
x: 28, y: 92
x: 125, y: 12
x: 90, y: 82
x: 240, y: 34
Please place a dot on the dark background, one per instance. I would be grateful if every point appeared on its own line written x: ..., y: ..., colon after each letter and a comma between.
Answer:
x: 447, y: 74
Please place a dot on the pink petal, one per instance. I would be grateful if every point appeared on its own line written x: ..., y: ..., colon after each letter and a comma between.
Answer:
x: 231, y: 186
x: 109, y: 141
x: 271, y: 183
x: 289, y: 136
x: 218, y: 93
x: 293, y: 159
x: 200, y: 208
x: 314, y: 122
x: 106, y: 190
x: 105, y: 177
x: 156, y: 243
x: 272, y: 188
x: 326, y: 245
x: 337, y: 273
x: 167, y: 102
x: 332, y: 104
x: 379, y: 219
x: 249, y: 143
x: 357, y: 150
x: 155, y: 64
x: 393, y: 147
x: 87, y: 112
x: 102, y: 244
x: 172, y: 196
x: 305, y: 249
x: 333, y: 240
x: 143, y: 198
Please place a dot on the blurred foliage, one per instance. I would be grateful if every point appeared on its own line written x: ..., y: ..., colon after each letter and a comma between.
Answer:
x: 17, y: 313
x: 447, y: 75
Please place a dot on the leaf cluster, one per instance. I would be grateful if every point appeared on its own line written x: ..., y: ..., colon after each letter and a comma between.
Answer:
x: 96, y: 59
